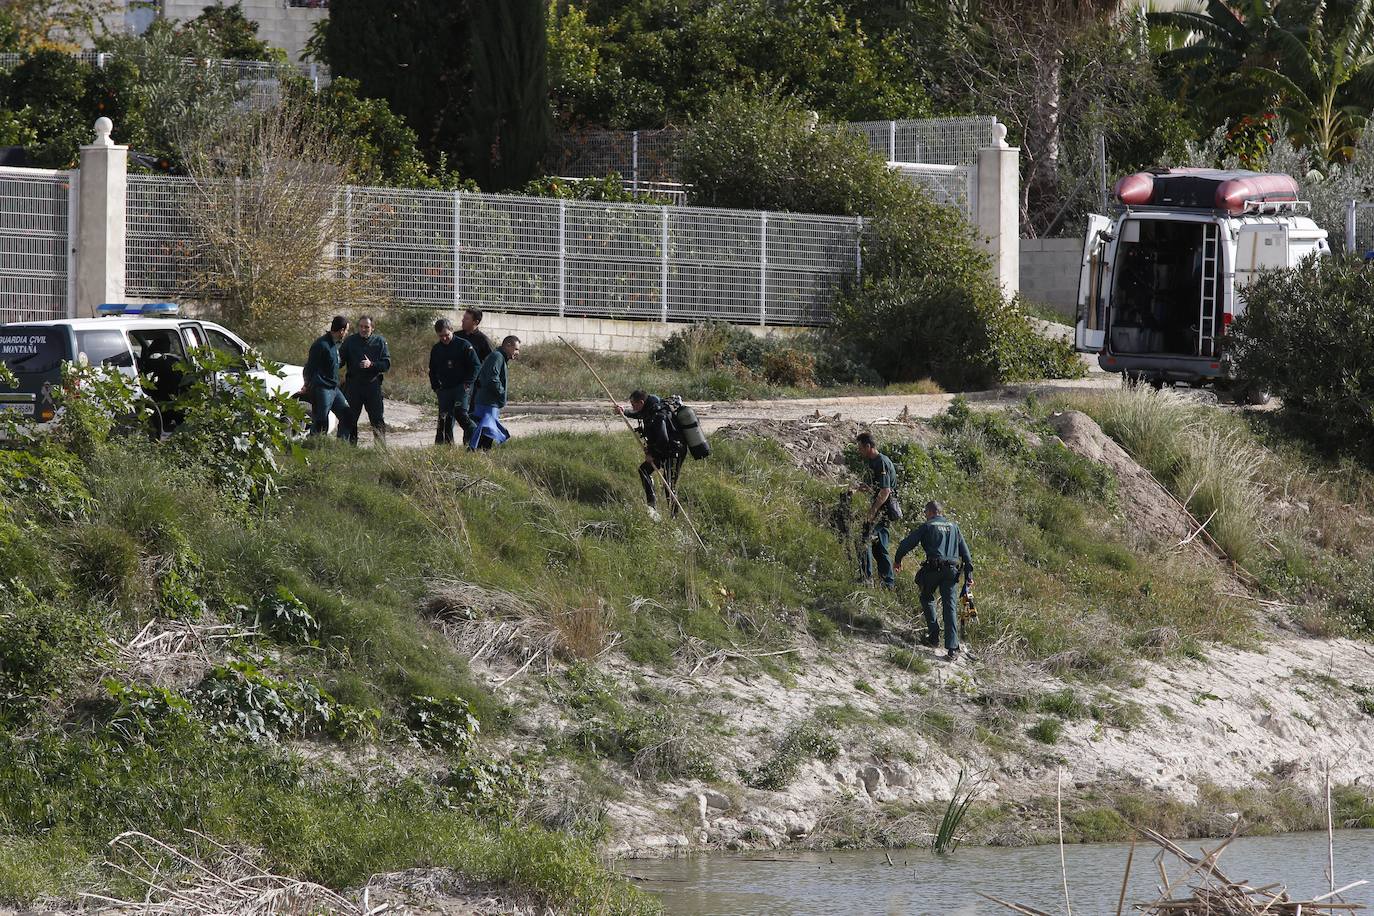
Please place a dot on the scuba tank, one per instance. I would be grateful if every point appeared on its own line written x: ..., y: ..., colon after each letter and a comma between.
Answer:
x: 685, y: 419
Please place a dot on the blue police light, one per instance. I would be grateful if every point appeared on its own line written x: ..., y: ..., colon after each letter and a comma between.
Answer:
x: 109, y: 309
x: 159, y: 310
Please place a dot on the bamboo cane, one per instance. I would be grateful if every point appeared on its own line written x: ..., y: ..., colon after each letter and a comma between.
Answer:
x: 672, y: 495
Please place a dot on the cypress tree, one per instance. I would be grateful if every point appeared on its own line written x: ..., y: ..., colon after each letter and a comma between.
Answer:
x: 509, y: 128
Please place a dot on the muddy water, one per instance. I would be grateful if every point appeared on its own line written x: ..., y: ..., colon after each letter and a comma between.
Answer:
x: 919, y: 883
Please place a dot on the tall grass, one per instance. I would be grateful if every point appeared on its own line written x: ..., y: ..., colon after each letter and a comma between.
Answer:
x: 1207, y: 459
x: 947, y: 836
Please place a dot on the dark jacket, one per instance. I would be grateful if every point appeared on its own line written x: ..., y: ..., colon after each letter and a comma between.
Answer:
x: 452, y: 364
x: 659, y: 433
x: 322, y: 365
x: 479, y: 342
x: 941, y: 540
x: 355, y: 347
x: 491, y: 381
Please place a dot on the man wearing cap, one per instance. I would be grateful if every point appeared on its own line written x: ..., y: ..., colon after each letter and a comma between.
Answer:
x: 946, y: 553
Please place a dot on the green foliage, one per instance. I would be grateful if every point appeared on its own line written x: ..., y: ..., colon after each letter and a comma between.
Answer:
x: 234, y: 427
x: 45, y: 481
x: 384, y: 147
x: 287, y: 616
x: 240, y: 701
x: 94, y: 402
x: 231, y: 34
x: 719, y: 346
x: 443, y: 724
x: 363, y: 40
x: 947, y: 837
x: 800, y: 745
x: 1046, y: 731
x: 927, y: 305
x: 509, y: 122
x: 610, y: 189
x: 1332, y: 302
x: 136, y: 712
x: 45, y: 649
x: 1072, y: 474
x: 651, y: 62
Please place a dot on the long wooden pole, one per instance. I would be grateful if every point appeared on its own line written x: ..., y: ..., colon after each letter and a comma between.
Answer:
x: 630, y: 426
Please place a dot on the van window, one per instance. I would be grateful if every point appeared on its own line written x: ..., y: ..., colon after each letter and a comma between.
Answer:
x: 104, y: 348
x: 33, y: 350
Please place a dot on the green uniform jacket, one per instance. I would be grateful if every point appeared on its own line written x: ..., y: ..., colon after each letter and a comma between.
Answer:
x: 491, y: 381
x: 941, y: 539
x: 355, y: 347
x: 322, y: 364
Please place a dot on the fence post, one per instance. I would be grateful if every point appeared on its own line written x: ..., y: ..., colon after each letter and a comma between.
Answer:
x: 562, y: 254
x: 664, y: 268
x: 999, y: 209
x: 891, y: 141
x: 100, y: 61
x: 1350, y: 226
x: 315, y: 75
x: 859, y: 248
x: 763, y: 269
x: 348, y: 230
x: 634, y: 163
x: 457, y: 251
x: 101, y: 230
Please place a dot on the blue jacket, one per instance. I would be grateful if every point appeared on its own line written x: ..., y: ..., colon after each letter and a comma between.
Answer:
x: 322, y: 364
x: 491, y: 381
x: 941, y: 539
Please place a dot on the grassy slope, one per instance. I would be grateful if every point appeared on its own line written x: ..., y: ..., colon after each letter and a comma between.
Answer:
x: 550, y: 372
x: 359, y: 535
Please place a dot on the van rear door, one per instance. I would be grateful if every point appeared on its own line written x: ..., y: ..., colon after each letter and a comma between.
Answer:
x: 34, y: 353
x: 1090, y: 330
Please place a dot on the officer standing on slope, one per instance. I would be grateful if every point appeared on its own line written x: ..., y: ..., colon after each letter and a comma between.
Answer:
x: 882, y: 483
x: 322, y: 379
x: 365, y: 356
x: 946, y: 553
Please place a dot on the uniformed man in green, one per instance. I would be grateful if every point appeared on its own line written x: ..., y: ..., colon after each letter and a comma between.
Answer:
x: 882, y: 483
x: 946, y: 553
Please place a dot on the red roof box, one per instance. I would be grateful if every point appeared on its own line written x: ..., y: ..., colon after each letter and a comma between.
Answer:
x: 1208, y: 189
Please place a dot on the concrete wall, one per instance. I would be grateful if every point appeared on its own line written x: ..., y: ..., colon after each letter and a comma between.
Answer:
x: 1049, y: 272
x: 280, y: 25
x: 604, y: 335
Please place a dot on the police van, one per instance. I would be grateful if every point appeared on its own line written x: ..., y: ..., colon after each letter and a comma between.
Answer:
x: 1163, y: 279
x: 144, y: 342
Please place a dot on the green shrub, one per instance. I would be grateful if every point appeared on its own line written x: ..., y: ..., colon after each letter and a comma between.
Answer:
x: 927, y: 305
x: 803, y: 743
x: 721, y: 346
x: 239, y: 701
x: 43, y: 649
x: 1046, y: 731
x: 106, y: 563
x: 1307, y: 336
x: 1070, y: 473
x: 285, y: 615
x: 443, y: 724
x: 46, y: 480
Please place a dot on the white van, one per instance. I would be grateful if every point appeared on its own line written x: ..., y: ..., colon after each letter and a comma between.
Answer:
x: 1163, y: 279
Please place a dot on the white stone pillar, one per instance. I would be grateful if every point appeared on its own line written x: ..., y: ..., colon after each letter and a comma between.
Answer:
x: 999, y: 209
x: 100, y: 221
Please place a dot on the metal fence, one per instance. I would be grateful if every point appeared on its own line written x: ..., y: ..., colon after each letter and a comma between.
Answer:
x: 649, y: 160
x: 540, y: 256
x: 35, y: 244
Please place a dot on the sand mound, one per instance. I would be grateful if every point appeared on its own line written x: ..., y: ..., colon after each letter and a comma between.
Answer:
x: 1146, y: 505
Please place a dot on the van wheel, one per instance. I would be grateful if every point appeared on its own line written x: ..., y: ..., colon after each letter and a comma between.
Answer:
x: 1256, y: 396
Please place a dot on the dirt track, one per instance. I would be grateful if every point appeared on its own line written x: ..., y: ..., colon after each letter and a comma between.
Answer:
x: 413, y: 426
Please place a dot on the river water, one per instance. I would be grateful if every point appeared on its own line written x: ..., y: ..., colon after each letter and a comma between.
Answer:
x: 862, y: 883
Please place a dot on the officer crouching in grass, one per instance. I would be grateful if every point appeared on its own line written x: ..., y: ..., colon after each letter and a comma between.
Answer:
x: 946, y: 553
x: 882, y: 483
x: 322, y: 380
x: 365, y: 356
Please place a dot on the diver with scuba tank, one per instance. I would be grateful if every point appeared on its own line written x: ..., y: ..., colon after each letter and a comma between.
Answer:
x: 669, y: 431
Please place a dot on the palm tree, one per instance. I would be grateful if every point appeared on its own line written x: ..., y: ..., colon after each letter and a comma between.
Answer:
x: 1323, y: 80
